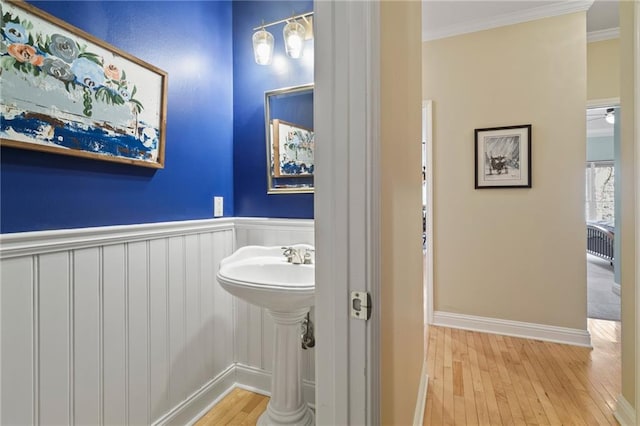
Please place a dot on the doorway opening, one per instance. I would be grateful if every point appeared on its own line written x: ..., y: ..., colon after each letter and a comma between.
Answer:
x: 603, y: 283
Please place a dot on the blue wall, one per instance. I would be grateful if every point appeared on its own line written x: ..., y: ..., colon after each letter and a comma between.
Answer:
x: 189, y: 40
x: 250, y: 81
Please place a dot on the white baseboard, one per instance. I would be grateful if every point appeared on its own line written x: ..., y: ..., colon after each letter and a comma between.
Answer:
x: 550, y: 333
x: 615, y: 287
x: 196, y: 405
x: 624, y: 413
x: 418, y: 416
x: 253, y: 379
x: 259, y: 381
x: 236, y: 376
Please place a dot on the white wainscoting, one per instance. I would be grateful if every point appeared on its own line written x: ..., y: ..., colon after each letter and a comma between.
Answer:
x: 254, y: 326
x: 127, y: 324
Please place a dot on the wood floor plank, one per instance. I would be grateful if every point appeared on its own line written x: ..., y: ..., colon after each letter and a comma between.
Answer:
x: 499, y: 385
x: 239, y: 407
x: 531, y: 406
x: 563, y: 391
x: 458, y: 385
x: 490, y: 380
x: 487, y: 384
x: 431, y: 367
x: 550, y: 383
x: 514, y: 368
x: 253, y: 416
x: 481, y: 407
x: 448, y: 411
x: 512, y: 381
x: 436, y: 416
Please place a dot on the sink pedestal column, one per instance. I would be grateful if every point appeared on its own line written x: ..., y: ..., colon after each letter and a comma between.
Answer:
x: 286, y: 406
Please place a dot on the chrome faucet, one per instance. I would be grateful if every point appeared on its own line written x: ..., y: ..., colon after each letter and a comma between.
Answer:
x: 307, y: 259
x: 292, y: 255
x: 296, y: 257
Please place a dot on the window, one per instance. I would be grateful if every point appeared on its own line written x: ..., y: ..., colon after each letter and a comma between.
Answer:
x: 600, y: 194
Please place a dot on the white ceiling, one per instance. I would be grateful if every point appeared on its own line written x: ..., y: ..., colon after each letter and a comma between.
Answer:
x: 441, y: 18
x: 596, y: 124
x: 603, y: 15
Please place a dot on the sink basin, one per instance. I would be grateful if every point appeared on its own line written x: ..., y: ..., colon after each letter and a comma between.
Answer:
x: 263, y: 277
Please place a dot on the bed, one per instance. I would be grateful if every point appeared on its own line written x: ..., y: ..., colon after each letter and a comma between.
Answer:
x: 600, y: 237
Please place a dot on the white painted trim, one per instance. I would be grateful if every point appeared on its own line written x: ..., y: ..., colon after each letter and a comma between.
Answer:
x: 345, y: 110
x: 262, y: 223
x: 236, y: 376
x: 33, y: 244
x: 527, y: 330
x: 615, y: 288
x: 624, y: 412
x: 636, y: 53
x: 547, y: 11
x: 427, y: 110
x: 39, y: 242
x: 372, y: 207
x: 602, y: 35
x: 604, y: 102
x: 259, y: 381
x: 418, y: 416
x: 208, y: 408
x: 197, y: 403
x: 253, y: 379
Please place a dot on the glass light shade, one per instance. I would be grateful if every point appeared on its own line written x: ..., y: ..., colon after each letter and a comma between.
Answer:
x: 610, y: 117
x: 263, y: 47
x: 294, y: 33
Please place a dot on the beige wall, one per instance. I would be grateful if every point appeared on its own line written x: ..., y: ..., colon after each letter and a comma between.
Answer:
x: 603, y: 69
x: 627, y: 200
x: 515, y: 254
x: 402, y: 335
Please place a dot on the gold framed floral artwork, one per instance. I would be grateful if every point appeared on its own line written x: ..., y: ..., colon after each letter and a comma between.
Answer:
x: 65, y: 91
x: 293, y: 148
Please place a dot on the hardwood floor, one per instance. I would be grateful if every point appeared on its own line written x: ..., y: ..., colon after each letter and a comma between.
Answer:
x: 489, y: 380
x: 485, y: 379
x: 239, y: 407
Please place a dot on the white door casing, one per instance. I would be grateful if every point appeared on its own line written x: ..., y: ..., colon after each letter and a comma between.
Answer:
x: 346, y: 210
x: 636, y: 37
x: 427, y: 136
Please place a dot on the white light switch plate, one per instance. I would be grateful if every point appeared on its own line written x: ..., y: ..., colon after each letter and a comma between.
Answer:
x: 217, y: 206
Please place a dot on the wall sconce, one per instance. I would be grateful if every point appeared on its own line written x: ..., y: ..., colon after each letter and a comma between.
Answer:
x: 298, y: 29
x: 263, y: 46
x: 610, y: 116
x: 293, y: 34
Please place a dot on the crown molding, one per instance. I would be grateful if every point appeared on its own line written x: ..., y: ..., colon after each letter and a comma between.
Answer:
x: 548, y: 11
x: 604, y: 102
x: 602, y: 35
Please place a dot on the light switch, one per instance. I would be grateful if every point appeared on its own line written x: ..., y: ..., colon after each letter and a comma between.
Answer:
x: 217, y: 206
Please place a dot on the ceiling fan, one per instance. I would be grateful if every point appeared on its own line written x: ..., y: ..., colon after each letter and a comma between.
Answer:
x: 608, y: 116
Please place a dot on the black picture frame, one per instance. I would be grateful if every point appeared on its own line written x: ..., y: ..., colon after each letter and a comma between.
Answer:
x: 503, y: 157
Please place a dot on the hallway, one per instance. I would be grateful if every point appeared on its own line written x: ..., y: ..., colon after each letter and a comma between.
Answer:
x: 602, y: 301
x: 486, y: 379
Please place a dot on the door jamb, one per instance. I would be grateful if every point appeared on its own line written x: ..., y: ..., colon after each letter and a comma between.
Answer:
x: 427, y: 136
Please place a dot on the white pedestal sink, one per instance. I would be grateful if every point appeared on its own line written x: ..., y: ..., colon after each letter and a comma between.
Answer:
x: 263, y: 277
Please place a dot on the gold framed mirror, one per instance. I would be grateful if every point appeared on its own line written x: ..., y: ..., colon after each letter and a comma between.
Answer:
x: 290, y: 139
